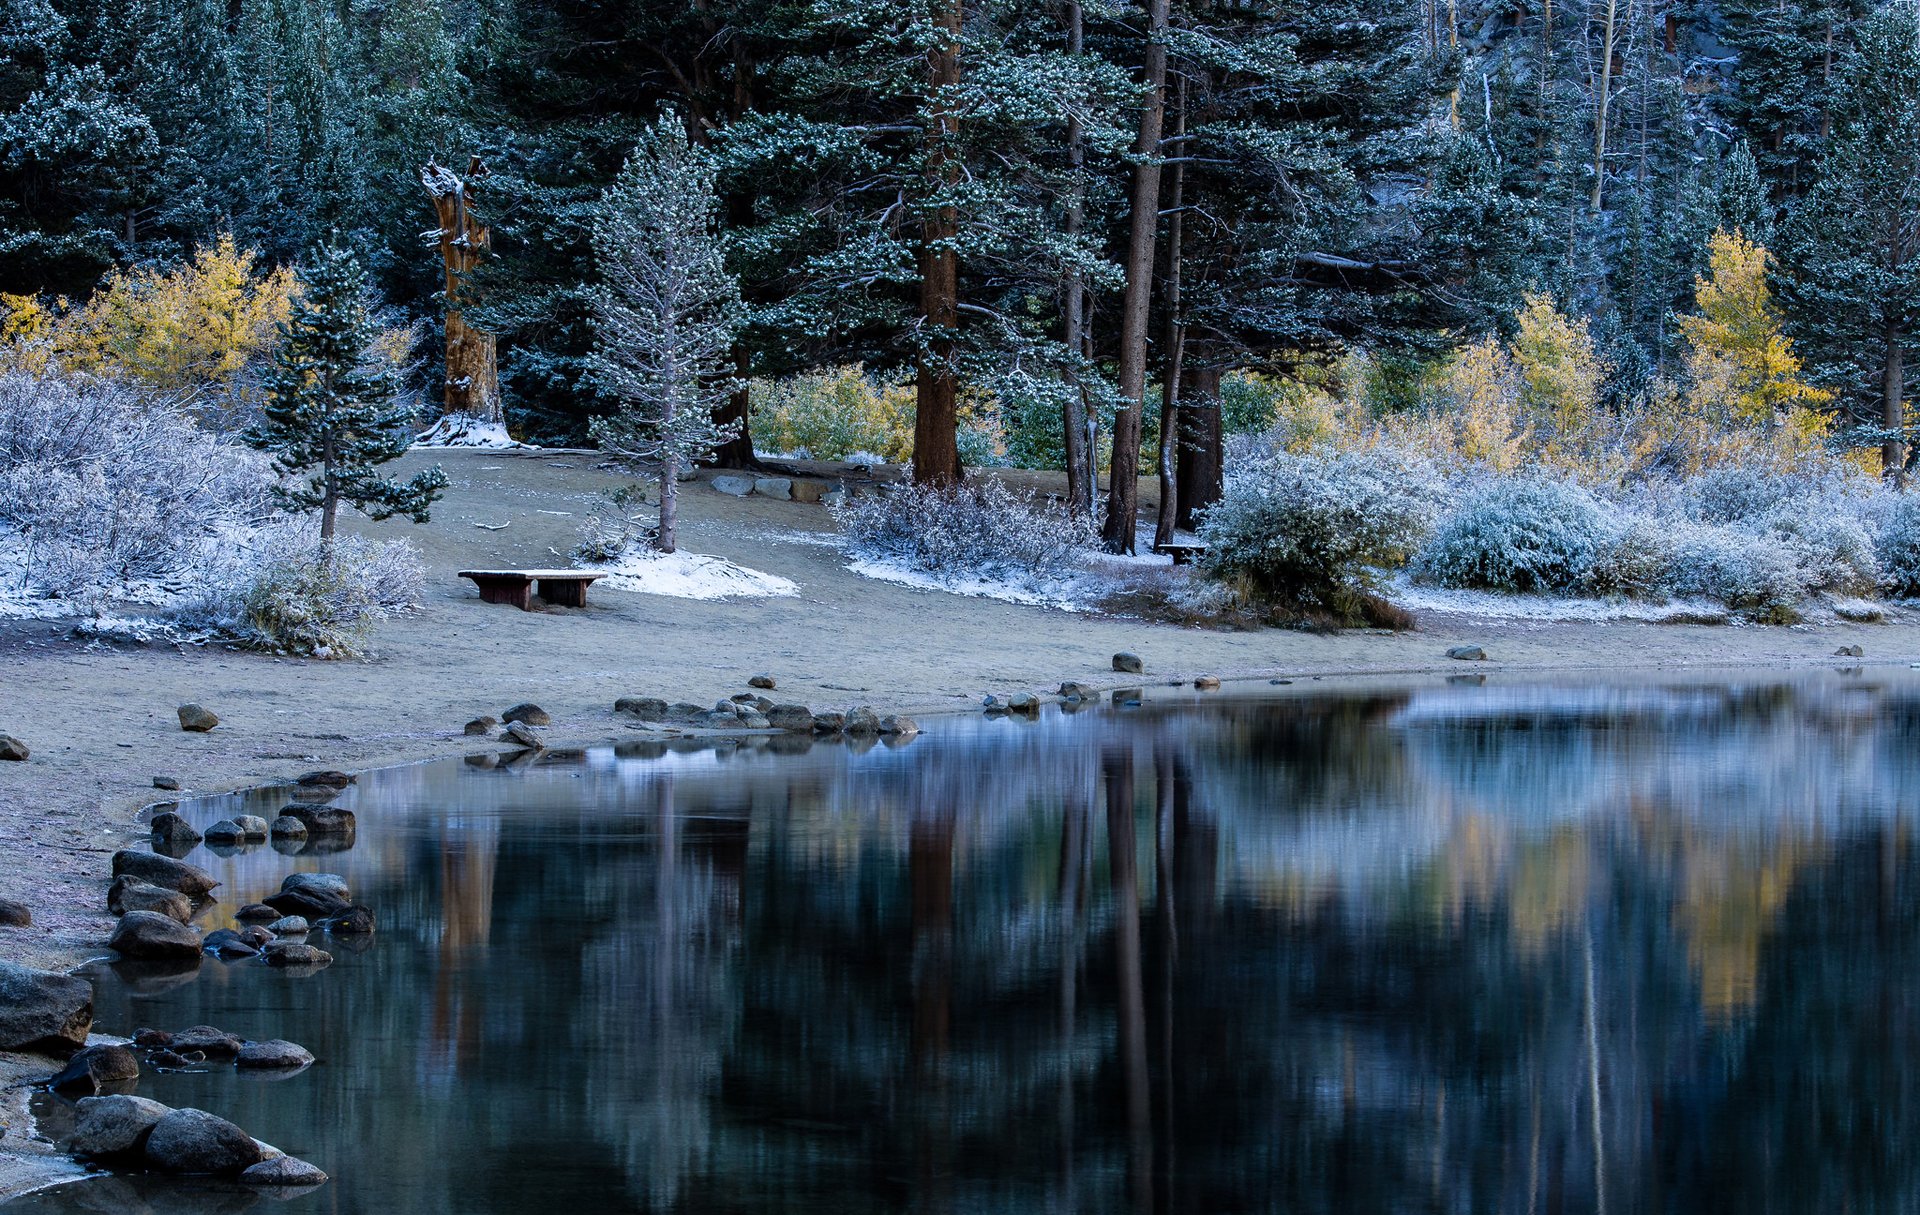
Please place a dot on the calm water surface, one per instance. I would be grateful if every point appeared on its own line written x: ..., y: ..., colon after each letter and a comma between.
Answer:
x: 1449, y: 948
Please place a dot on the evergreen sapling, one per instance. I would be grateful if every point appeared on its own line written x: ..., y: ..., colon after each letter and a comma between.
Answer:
x: 332, y: 414
x: 665, y: 324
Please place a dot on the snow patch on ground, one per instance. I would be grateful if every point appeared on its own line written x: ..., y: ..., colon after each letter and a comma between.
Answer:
x: 459, y: 430
x: 1496, y: 605
x: 691, y: 576
x: 1067, y: 596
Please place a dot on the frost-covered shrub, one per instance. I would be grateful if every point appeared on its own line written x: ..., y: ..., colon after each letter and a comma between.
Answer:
x: 285, y: 594
x: 1311, y: 531
x: 102, y: 484
x: 1897, y: 546
x: 1831, y: 548
x: 980, y: 527
x: 1521, y: 535
x: 1636, y: 560
x: 1744, y: 569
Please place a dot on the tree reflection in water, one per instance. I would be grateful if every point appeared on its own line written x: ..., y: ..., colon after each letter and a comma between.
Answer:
x: 1640, y: 947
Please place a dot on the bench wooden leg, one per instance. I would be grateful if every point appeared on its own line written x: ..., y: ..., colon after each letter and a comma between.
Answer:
x: 519, y: 594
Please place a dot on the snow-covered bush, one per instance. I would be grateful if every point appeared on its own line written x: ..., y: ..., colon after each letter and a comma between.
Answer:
x: 102, y: 484
x: 1522, y: 534
x: 285, y: 594
x: 1742, y: 568
x: 978, y: 528
x: 1898, y: 547
x: 1829, y: 546
x: 1311, y: 531
x: 616, y: 525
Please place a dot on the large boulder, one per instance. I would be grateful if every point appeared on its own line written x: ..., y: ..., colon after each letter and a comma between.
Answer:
x: 355, y: 921
x: 131, y: 894
x: 323, y: 820
x: 226, y: 833
x: 327, y: 778
x: 862, y: 722
x: 296, y: 953
x: 737, y: 487
x: 194, y: 1141
x: 197, y: 720
x: 897, y: 725
x: 150, y: 935
x: 795, y: 719
x: 117, y: 1125
x: 41, y: 1010
x: 309, y: 904
x: 163, y: 871
x: 774, y: 487
x: 328, y: 885
x: 529, y: 713
x: 96, y: 1066
x: 170, y: 828
x: 273, y: 1053
x: 288, y: 829
x: 284, y: 1171
x: 209, y: 1040
x: 252, y: 826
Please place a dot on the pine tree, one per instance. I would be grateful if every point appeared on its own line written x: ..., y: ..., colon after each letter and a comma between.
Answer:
x: 332, y: 415
x: 665, y: 326
x: 1852, y: 248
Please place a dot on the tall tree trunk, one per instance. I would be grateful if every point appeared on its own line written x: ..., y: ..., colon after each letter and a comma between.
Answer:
x: 473, y: 368
x: 1176, y: 346
x: 1073, y: 413
x: 1893, y: 395
x: 737, y: 452
x: 936, y: 437
x: 1198, y: 481
x: 1600, y: 110
x: 1123, y: 488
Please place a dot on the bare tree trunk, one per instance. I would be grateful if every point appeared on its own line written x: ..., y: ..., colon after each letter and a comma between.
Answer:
x: 936, y: 438
x: 1197, y: 484
x: 473, y: 369
x: 1175, y: 354
x: 1893, y: 396
x: 664, y: 539
x: 737, y: 452
x: 1600, y: 110
x: 1123, y: 489
x: 1080, y: 487
x: 1123, y: 864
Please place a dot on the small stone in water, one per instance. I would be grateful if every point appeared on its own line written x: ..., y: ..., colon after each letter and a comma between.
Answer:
x: 256, y: 911
x: 1207, y: 683
x: 287, y: 926
x: 286, y: 827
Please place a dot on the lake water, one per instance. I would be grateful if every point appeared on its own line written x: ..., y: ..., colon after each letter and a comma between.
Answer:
x: 1449, y: 947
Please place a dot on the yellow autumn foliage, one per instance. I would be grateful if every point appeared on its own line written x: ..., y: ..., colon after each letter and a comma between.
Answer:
x: 1738, y: 361
x: 1561, y: 374
x: 180, y: 329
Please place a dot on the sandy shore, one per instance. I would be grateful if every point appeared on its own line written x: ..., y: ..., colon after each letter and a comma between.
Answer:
x: 101, y: 719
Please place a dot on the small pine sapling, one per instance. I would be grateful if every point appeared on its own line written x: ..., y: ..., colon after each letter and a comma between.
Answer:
x: 332, y: 414
x: 666, y: 320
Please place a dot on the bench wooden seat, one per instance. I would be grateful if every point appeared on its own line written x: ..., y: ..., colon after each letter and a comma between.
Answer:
x: 1182, y: 552
x: 560, y: 588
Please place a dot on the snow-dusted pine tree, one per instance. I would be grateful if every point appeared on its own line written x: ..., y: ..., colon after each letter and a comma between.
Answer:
x: 332, y: 414
x: 665, y: 321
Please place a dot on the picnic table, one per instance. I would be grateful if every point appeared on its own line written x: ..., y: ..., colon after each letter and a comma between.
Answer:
x: 559, y: 588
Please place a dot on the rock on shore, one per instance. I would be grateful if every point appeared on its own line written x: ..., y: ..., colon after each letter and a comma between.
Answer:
x: 163, y: 871
x: 41, y: 1010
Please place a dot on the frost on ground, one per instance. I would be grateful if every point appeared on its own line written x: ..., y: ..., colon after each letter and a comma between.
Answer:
x: 460, y: 430
x: 1503, y: 605
x: 690, y: 576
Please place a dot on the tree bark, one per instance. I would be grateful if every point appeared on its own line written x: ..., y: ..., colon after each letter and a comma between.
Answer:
x: 1893, y: 394
x: 1080, y: 488
x: 473, y: 369
x: 1123, y: 488
x: 737, y: 452
x: 1600, y: 110
x: 936, y: 438
x: 1198, y: 480
x: 1175, y: 353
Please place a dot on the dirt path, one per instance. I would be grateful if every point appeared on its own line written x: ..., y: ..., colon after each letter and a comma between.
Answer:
x: 101, y: 720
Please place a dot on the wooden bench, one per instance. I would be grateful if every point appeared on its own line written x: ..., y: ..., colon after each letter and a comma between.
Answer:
x: 560, y: 588
x: 1182, y: 554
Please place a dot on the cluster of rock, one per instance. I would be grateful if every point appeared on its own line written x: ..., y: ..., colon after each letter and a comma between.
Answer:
x: 157, y: 898
x: 748, y: 711
x: 121, y: 1129
x: 199, y: 1045
x: 782, y: 488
